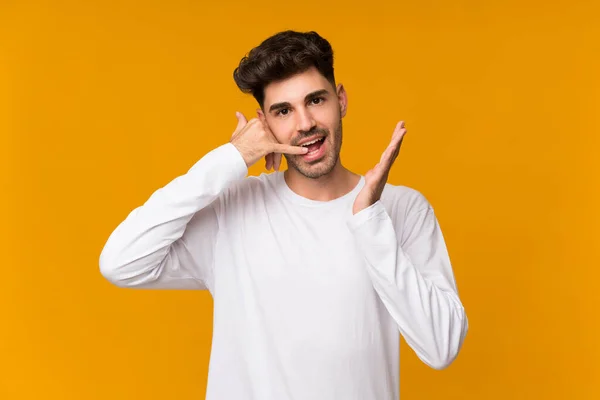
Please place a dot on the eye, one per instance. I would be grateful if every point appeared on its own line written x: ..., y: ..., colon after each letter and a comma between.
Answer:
x: 317, y: 100
x: 282, y: 111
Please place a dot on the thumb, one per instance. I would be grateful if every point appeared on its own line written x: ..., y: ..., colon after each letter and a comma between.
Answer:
x: 241, y: 120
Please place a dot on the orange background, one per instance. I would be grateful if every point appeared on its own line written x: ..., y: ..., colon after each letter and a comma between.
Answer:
x: 101, y: 103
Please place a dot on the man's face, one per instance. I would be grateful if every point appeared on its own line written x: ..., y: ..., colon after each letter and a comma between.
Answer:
x: 302, y: 109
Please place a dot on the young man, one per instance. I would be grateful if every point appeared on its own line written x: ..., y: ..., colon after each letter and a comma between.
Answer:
x: 314, y: 271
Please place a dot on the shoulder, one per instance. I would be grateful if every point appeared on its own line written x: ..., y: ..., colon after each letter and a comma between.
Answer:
x: 251, y: 188
x: 400, y: 195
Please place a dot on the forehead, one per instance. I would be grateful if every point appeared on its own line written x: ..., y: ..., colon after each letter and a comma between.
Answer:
x: 294, y: 88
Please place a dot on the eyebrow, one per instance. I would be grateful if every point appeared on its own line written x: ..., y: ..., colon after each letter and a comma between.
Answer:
x: 308, y: 97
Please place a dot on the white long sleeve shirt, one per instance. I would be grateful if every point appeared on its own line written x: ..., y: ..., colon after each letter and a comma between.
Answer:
x: 309, y: 299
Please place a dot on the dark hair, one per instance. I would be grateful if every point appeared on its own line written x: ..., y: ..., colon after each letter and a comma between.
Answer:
x: 281, y: 56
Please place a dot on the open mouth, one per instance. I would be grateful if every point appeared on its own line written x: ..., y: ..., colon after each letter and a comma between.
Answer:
x: 313, y: 146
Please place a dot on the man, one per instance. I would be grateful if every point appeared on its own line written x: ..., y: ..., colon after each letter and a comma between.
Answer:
x: 314, y: 271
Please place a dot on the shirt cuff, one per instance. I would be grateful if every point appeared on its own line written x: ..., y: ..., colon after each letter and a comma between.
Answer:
x: 375, y: 210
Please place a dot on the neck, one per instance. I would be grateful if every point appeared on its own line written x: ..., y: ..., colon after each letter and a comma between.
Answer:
x: 328, y: 187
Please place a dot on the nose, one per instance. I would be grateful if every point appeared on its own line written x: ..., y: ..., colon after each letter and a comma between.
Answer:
x: 305, y: 121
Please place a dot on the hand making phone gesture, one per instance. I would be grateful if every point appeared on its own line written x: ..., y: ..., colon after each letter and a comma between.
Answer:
x: 254, y: 140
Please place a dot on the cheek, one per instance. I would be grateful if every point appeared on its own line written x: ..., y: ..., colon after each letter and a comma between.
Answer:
x: 331, y: 124
x: 329, y: 117
x: 282, y: 130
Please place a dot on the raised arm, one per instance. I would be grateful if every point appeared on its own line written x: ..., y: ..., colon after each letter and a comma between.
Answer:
x: 168, y: 242
x: 412, y: 275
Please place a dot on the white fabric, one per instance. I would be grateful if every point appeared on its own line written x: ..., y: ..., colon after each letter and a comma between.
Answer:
x: 309, y: 300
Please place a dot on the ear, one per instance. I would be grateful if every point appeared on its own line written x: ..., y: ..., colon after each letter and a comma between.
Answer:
x: 342, y: 99
x: 261, y: 115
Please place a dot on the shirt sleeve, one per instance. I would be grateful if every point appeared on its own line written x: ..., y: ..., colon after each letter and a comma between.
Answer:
x: 414, y: 279
x: 168, y: 242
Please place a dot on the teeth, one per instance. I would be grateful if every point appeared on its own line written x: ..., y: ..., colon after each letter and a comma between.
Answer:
x: 314, y: 141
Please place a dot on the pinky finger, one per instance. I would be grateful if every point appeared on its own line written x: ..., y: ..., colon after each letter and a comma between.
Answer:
x: 269, y: 161
x: 276, y: 161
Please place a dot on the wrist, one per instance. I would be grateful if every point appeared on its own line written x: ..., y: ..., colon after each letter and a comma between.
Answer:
x: 247, y: 155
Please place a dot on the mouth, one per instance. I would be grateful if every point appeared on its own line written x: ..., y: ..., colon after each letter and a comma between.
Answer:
x: 313, y: 144
x: 315, y: 149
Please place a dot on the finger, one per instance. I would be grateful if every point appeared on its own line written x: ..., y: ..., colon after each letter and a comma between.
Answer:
x: 287, y: 149
x: 400, y: 130
x: 399, y: 125
x: 398, y: 145
x: 277, y: 161
x: 395, y: 146
x: 396, y: 141
x: 392, y: 155
x: 241, y: 121
x: 269, y: 161
x: 399, y: 135
x: 387, y: 153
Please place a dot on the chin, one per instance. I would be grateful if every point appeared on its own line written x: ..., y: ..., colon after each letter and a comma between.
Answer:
x: 315, y: 169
